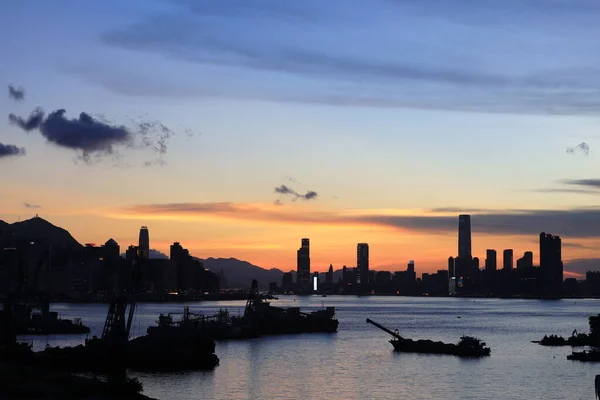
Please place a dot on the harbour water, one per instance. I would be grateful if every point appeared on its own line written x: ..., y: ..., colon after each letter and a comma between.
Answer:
x: 359, y: 363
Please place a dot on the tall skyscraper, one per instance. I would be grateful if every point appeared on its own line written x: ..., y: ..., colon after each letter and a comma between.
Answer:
x: 303, y: 264
x: 362, y: 262
x: 144, y: 243
x: 464, y: 237
x: 491, y: 260
x: 551, y: 264
x: 508, y: 259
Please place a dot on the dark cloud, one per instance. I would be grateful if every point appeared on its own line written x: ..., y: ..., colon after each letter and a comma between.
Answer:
x: 29, y: 205
x: 581, y: 148
x: 586, y: 186
x: 570, y: 223
x: 458, y: 210
x: 34, y: 121
x: 95, y: 137
x: 582, y: 265
x: 16, y: 93
x: 593, y: 183
x: 576, y: 191
x: 287, y: 191
x: 8, y: 150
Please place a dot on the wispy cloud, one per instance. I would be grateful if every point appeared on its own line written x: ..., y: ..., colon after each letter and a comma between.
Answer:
x: 287, y: 191
x: 575, y: 186
x: 581, y: 148
x: 9, y: 150
x: 322, y: 46
x: 16, y: 93
x: 571, y: 223
x: 30, y: 205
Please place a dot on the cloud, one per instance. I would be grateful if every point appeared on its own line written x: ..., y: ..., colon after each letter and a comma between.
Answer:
x: 582, y: 265
x: 8, y: 150
x: 321, y: 46
x: 29, y: 205
x: 94, y: 137
x: 585, y: 186
x: 158, y: 162
x: 593, y: 183
x: 285, y: 190
x: 16, y: 93
x: 569, y: 223
x: 582, y: 148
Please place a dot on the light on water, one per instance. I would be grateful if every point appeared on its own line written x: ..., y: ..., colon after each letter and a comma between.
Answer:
x: 358, y: 362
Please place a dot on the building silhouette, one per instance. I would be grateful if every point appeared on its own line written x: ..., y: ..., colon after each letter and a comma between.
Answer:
x: 362, y: 262
x: 551, y: 264
x: 464, y: 236
x: 508, y: 259
x: 144, y: 243
x: 329, y: 277
x: 491, y: 260
x: 526, y: 261
x: 463, y: 264
x: 303, y: 265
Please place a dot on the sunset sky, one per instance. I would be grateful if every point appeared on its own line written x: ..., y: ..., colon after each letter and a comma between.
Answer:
x: 398, y: 114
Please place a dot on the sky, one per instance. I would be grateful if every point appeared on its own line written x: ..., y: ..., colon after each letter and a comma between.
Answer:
x: 238, y: 128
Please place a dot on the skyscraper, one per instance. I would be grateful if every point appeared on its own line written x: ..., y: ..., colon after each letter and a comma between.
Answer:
x: 464, y: 237
x: 491, y: 260
x: 551, y: 264
x: 508, y: 259
x: 303, y: 264
x: 144, y: 243
x: 362, y: 262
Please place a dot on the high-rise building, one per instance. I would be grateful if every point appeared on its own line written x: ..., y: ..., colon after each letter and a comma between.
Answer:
x: 490, y: 260
x: 144, y: 243
x: 464, y: 237
x: 362, y: 262
x: 287, y: 281
x: 303, y: 265
x: 526, y: 261
x: 451, y: 267
x: 508, y: 259
x: 329, y: 276
x: 551, y: 265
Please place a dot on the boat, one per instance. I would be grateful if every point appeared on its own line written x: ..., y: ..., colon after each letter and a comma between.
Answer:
x: 37, y: 319
x: 220, y: 326
x: 467, y: 347
x: 260, y: 318
x: 586, y: 355
x: 270, y: 320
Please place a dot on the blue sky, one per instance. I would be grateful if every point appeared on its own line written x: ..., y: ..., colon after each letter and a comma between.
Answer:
x: 376, y: 105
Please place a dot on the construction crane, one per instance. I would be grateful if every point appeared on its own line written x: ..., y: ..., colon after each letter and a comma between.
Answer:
x: 115, y: 326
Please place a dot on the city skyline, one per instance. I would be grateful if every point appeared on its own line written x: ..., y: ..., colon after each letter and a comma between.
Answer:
x: 308, y: 128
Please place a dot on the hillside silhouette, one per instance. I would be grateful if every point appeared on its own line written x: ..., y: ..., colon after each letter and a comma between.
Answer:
x: 36, y: 230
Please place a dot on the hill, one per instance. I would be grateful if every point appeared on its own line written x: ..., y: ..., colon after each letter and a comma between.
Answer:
x: 239, y: 274
x: 36, y: 230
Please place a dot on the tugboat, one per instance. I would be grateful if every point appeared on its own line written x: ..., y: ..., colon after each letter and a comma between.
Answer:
x: 467, y: 347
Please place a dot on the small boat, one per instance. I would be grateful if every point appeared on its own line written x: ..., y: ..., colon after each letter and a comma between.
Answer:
x: 468, y: 346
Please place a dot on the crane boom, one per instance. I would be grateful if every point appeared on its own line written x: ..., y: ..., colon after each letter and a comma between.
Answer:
x: 383, y: 328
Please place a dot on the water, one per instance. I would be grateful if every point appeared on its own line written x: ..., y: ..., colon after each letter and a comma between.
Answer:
x: 358, y: 362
